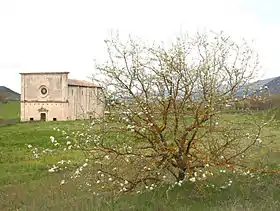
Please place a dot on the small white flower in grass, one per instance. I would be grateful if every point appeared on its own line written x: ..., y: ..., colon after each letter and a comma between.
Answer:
x: 195, y: 174
x: 85, y: 164
x: 68, y: 142
x: 207, y: 165
x: 99, y: 172
x: 62, y: 182
x: 114, y: 169
x: 102, y: 175
x: 192, y: 179
x: 222, y: 157
x: 107, y: 157
x: 52, y: 139
x: 29, y: 146
x: 98, y: 181
x: 203, y: 175
x: 110, y: 179
x: 180, y: 183
x: 126, y: 182
x: 51, y: 170
x: 164, y: 177
x: 151, y: 188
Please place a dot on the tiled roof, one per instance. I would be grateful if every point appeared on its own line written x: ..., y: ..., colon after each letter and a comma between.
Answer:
x: 73, y: 82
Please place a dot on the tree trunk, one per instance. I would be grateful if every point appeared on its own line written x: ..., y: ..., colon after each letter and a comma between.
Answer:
x: 181, y: 175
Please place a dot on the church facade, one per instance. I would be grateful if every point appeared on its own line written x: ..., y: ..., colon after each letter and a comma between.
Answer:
x: 51, y: 96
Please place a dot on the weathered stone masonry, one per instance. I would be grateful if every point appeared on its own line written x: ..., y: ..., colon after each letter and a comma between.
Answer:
x: 52, y: 96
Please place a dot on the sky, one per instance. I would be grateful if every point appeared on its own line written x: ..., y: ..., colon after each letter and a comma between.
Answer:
x: 68, y: 35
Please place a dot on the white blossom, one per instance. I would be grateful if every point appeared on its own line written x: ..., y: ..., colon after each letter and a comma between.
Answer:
x: 52, y: 139
x: 192, y: 179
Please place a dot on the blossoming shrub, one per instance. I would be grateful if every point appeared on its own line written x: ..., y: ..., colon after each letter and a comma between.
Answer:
x: 165, y: 121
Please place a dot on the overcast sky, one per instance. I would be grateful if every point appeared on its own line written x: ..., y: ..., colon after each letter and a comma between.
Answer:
x: 67, y: 35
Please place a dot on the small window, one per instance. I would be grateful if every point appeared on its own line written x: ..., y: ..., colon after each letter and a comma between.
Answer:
x: 44, y: 91
x: 54, y: 119
x: 31, y: 119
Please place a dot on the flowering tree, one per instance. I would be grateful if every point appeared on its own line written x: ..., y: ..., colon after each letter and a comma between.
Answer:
x: 164, y: 118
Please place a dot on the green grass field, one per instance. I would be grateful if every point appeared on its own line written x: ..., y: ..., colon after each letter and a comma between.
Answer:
x: 25, y: 183
x: 9, y: 110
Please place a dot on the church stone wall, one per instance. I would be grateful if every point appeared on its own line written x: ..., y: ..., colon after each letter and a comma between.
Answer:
x: 53, y: 111
x: 48, y: 96
x: 83, y: 103
x: 55, y: 83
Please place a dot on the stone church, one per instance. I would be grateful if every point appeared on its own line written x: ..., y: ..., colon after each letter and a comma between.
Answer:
x: 51, y: 96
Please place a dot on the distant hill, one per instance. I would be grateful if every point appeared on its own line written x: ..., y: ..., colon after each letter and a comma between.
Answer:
x: 9, y: 94
x: 271, y: 85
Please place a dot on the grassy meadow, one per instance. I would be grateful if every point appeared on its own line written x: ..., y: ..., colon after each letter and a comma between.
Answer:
x: 26, y: 184
x: 9, y: 110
